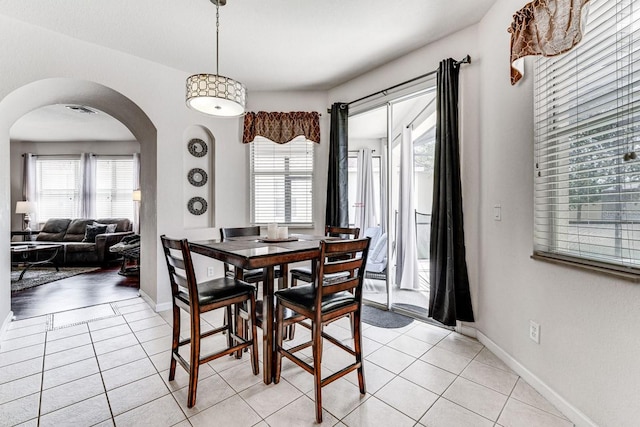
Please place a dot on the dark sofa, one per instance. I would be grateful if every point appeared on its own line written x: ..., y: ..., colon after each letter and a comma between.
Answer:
x: 71, y: 232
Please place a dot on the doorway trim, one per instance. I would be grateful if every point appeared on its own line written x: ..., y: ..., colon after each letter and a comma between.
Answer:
x: 75, y: 91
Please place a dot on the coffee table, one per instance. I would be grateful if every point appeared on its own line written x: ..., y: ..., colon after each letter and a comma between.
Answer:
x: 30, y: 255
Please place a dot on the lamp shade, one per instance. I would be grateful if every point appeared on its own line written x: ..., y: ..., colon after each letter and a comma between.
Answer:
x: 216, y: 95
x: 24, y: 207
x: 137, y: 195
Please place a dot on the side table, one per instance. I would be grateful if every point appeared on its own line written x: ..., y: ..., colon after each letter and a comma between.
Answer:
x: 24, y: 252
x: 27, y: 235
x: 130, y: 256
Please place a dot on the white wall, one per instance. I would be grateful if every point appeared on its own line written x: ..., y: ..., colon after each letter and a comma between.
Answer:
x: 587, y: 360
x: 589, y: 323
x: 589, y: 342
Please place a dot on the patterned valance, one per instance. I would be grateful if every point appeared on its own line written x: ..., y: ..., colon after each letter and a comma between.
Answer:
x: 281, y: 127
x: 544, y: 27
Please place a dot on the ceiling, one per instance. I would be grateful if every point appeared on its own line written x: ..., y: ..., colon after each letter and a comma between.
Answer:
x: 58, y: 123
x: 298, y: 44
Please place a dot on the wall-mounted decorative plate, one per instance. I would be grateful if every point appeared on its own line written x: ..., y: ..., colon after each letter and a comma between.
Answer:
x: 197, y: 147
x: 197, y: 205
x: 197, y: 177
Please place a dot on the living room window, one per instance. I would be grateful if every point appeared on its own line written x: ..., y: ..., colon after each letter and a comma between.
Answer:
x: 114, y: 186
x: 281, y: 180
x: 58, y: 186
x: 587, y: 134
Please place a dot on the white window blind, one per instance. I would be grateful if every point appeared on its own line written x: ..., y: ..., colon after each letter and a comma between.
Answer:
x: 57, y: 187
x: 281, y: 182
x: 114, y: 187
x: 587, y: 133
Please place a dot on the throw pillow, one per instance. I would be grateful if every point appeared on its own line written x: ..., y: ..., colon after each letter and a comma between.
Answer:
x: 92, y: 231
x: 111, y: 228
x: 379, y: 252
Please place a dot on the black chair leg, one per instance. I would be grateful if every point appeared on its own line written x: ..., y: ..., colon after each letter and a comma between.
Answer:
x: 356, y: 323
x: 254, y: 334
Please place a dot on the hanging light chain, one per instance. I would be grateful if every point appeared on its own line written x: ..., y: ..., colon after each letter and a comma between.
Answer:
x: 217, y: 36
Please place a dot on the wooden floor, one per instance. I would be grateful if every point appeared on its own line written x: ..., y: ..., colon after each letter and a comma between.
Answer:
x: 83, y: 290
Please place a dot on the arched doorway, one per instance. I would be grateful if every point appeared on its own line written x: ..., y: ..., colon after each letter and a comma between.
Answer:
x: 72, y: 91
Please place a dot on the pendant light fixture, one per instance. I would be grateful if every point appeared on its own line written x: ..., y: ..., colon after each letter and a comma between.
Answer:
x: 214, y: 94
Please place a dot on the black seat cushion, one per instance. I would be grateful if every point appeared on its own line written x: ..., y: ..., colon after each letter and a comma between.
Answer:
x: 301, y: 272
x: 304, y: 274
x: 255, y: 275
x: 218, y: 289
x: 304, y: 296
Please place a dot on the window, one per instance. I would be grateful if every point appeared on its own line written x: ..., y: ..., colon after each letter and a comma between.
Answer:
x: 114, y: 187
x: 57, y: 187
x: 587, y: 133
x: 58, y: 182
x: 281, y: 182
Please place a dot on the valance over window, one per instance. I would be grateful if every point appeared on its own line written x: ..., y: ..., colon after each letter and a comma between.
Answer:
x: 281, y: 127
x: 544, y: 27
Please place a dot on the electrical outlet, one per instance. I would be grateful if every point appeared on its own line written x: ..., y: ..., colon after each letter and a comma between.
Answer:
x: 210, y: 272
x: 534, y: 331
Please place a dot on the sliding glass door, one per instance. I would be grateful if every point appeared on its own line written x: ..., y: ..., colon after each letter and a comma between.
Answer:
x: 401, y: 136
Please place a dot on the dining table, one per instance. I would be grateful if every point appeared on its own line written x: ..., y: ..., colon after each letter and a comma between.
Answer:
x: 253, y: 252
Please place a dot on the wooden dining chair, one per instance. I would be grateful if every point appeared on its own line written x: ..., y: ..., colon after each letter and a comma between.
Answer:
x: 196, y: 298
x: 249, y: 276
x: 305, y: 274
x: 336, y: 292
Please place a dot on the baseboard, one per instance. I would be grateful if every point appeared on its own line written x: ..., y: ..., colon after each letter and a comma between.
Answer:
x: 156, y: 307
x: 163, y: 307
x: 5, y: 325
x: 466, y: 330
x: 574, y: 414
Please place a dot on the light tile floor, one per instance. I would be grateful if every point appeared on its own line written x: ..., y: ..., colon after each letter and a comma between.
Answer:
x: 103, y: 369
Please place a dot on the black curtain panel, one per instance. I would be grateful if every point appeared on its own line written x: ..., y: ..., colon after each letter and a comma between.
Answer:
x: 450, y: 299
x: 337, y: 213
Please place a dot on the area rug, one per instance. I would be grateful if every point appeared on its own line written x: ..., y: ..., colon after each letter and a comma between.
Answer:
x: 37, y: 276
x: 384, y: 319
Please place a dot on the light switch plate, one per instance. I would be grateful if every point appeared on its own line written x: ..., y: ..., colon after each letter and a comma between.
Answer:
x: 497, y: 212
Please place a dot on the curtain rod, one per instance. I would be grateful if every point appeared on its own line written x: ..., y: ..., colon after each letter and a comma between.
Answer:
x: 465, y: 60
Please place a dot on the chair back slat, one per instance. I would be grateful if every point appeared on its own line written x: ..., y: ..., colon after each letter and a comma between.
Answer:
x: 226, y: 233
x: 181, y: 272
x: 180, y: 280
x: 339, y: 286
x: 350, y: 264
x: 342, y: 232
x: 176, y: 262
x: 353, y: 257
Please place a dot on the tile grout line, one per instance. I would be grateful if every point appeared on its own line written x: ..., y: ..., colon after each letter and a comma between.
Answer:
x: 104, y: 386
x: 154, y: 367
x: 44, y: 356
x: 441, y: 396
x: 49, y: 327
